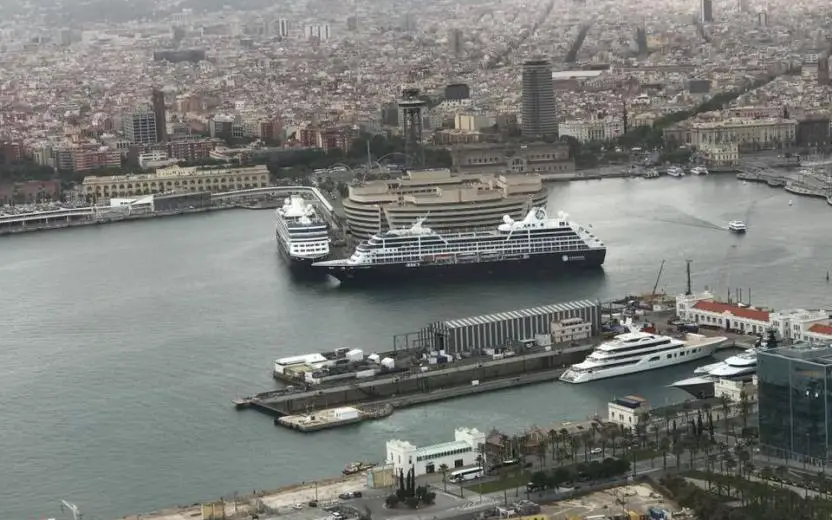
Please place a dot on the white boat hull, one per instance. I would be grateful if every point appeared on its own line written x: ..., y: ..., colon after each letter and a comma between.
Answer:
x: 692, y: 352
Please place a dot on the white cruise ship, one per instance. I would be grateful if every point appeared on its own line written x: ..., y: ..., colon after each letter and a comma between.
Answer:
x: 301, y: 234
x: 637, y: 351
x: 537, y: 244
x: 675, y: 171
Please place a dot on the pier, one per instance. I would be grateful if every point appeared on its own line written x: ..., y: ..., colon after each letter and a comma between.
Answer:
x: 411, y: 388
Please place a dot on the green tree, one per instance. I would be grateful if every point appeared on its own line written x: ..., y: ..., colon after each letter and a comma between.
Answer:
x: 443, y: 468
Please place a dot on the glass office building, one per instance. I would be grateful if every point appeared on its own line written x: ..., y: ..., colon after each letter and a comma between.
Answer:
x: 795, y: 401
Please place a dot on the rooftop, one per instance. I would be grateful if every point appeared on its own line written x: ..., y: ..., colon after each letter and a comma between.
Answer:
x: 802, y: 351
x: 442, y: 448
x: 522, y: 313
x: 735, y: 310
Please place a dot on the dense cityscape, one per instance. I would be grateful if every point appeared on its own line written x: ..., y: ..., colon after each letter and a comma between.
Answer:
x: 420, y: 138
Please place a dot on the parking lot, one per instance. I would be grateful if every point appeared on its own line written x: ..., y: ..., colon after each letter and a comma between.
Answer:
x: 635, y: 497
x: 294, y: 500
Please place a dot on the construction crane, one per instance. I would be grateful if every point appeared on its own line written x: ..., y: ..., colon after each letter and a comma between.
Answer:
x: 72, y: 508
x: 656, y: 285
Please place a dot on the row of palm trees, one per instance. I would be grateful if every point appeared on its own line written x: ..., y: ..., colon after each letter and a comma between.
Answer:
x: 562, y: 444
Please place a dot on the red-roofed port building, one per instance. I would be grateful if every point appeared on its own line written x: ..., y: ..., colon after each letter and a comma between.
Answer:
x: 813, y: 326
x: 705, y: 310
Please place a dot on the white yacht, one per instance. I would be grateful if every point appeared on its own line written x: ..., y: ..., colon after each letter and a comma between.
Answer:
x: 737, y: 226
x: 301, y: 234
x: 637, y: 351
x: 741, y: 365
x: 675, y: 171
x: 699, y: 170
x: 738, y: 367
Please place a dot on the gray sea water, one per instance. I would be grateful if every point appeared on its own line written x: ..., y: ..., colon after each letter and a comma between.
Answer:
x: 122, y: 346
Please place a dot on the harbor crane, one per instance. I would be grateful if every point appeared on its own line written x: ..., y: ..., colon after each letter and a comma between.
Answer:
x: 72, y: 508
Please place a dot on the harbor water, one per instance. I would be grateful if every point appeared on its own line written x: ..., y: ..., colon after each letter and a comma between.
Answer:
x: 122, y: 346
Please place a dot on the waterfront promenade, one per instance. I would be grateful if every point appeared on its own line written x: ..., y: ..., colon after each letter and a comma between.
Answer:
x: 43, y: 217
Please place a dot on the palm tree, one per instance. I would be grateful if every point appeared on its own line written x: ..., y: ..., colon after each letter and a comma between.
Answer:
x: 664, y: 446
x: 613, y: 434
x: 678, y: 449
x: 565, y: 439
x: 743, y: 457
x: 668, y: 414
x: 641, y: 427
x: 443, y: 468
x: 589, y: 444
x: 725, y: 403
x: 554, y: 442
x: 745, y: 406
x: 575, y: 442
x: 481, y: 459
x: 541, y: 449
x: 656, y: 429
x: 711, y: 462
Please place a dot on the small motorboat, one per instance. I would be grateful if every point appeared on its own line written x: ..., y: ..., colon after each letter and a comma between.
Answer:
x: 737, y: 226
x: 699, y: 170
x: 357, y: 467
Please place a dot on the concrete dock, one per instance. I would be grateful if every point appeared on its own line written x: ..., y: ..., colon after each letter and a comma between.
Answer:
x: 334, y: 417
x: 416, y: 387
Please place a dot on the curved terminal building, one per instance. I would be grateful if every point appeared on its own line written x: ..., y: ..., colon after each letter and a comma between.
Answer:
x: 451, y: 202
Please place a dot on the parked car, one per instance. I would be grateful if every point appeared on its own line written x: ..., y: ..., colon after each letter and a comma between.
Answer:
x: 349, y: 494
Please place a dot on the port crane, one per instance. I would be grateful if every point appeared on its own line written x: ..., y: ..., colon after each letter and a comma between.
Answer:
x: 72, y: 508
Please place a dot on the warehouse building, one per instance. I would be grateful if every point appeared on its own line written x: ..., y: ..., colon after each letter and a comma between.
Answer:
x: 497, y: 330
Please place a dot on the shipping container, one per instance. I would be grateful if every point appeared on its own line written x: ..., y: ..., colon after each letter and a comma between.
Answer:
x: 388, y: 363
x: 375, y: 358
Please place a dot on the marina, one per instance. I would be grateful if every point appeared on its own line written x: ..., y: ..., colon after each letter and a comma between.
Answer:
x: 506, y: 350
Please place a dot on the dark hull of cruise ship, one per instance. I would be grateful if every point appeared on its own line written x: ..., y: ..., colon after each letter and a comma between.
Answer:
x: 534, y: 265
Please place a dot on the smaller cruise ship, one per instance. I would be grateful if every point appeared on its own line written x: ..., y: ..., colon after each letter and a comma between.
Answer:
x: 737, y: 226
x: 675, y: 171
x: 637, y: 351
x: 699, y: 170
x: 302, y: 235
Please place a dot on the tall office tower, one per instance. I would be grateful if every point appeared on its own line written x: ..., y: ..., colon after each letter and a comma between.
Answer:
x: 352, y: 23
x: 140, y: 125
x: 411, y: 108
x: 325, y: 32
x: 538, y: 100
x: 456, y: 41
x: 283, y: 28
x: 823, y: 69
x: 762, y: 18
x: 160, y: 115
x: 707, y: 11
